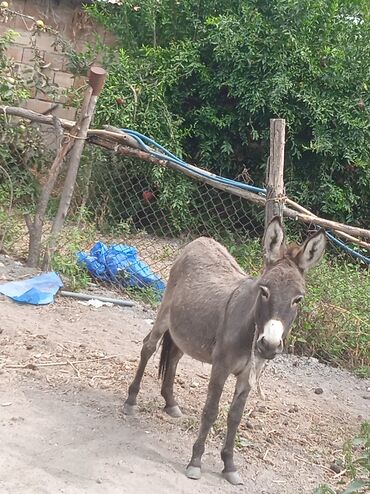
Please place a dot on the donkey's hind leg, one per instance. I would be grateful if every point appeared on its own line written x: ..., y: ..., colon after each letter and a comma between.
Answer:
x: 149, y: 346
x: 174, y: 356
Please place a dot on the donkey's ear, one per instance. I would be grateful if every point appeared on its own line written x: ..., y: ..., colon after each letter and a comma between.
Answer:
x: 273, y: 242
x: 311, y: 251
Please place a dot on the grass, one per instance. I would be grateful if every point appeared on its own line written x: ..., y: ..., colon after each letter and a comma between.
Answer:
x: 146, y: 295
x: 334, y: 323
x: 354, y: 465
x: 73, y: 239
x: 11, y: 231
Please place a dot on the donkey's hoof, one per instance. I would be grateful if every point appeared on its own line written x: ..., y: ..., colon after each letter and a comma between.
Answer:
x: 174, y: 411
x: 233, y: 477
x: 129, y: 409
x: 193, y: 472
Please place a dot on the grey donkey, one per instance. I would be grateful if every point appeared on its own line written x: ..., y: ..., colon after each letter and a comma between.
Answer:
x: 214, y: 312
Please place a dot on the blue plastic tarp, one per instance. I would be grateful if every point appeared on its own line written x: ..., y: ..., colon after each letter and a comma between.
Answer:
x: 39, y: 290
x: 120, y: 264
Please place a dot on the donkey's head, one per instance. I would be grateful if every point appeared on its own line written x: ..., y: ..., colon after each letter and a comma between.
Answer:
x: 282, y: 286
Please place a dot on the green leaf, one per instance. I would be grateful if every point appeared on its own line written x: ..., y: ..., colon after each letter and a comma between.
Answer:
x: 355, y: 486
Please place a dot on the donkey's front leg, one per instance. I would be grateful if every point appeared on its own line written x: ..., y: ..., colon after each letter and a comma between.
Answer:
x: 219, y: 375
x: 242, y: 389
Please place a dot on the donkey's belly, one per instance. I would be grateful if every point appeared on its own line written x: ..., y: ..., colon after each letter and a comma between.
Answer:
x: 198, y: 350
x: 193, y: 333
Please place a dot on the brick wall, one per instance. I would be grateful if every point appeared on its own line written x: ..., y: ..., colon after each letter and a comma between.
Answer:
x: 70, y: 21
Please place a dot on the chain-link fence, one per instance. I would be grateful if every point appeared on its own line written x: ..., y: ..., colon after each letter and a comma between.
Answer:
x: 121, y: 200
x: 126, y: 202
x: 157, y: 210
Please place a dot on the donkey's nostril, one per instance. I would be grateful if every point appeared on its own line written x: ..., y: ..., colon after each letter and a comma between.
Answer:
x: 269, y: 349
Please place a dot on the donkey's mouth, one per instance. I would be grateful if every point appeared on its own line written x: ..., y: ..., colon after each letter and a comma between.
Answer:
x: 266, y: 351
x: 266, y: 355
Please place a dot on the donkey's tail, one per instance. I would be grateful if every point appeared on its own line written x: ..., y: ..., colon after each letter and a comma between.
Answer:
x: 164, y: 362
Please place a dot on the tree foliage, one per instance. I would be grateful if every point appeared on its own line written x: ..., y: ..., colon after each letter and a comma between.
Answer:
x: 206, y: 77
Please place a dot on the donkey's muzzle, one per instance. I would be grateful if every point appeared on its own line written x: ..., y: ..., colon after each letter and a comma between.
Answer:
x: 268, y: 350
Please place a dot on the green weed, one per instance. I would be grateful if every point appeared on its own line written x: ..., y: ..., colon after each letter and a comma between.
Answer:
x: 73, y: 239
x: 146, y: 295
x: 356, y: 465
x: 334, y: 321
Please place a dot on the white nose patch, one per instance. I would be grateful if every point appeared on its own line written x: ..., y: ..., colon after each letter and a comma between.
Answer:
x: 273, y: 332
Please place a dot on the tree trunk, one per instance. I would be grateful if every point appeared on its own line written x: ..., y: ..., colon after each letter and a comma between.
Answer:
x: 96, y: 81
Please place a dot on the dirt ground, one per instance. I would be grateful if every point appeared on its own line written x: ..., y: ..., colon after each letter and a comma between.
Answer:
x: 65, y: 369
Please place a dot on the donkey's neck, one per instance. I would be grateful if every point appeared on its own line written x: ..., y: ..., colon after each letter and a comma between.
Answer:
x: 241, y: 312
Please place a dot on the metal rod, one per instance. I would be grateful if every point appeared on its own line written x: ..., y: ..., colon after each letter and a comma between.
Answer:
x: 84, y: 296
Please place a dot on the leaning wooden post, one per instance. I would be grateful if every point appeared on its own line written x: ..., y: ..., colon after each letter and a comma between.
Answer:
x: 96, y: 82
x: 275, y: 171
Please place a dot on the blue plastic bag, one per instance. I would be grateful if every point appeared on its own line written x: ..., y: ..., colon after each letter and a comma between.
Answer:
x: 39, y: 290
x: 120, y: 264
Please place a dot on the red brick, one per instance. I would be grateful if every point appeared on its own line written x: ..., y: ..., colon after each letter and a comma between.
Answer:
x: 29, y: 55
x: 56, y: 60
x: 79, y: 81
x: 56, y: 97
x: 44, y: 96
x: 38, y: 106
x: 15, y: 52
x: 26, y: 70
x: 23, y: 38
x: 44, y: 41
x: 66, y: 113
x: 32, y: 91
x: 60, y: 97
x: 63, y: 79
x: 48, y: 136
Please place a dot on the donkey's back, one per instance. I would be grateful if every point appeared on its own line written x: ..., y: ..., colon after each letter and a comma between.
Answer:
x: 199, y: 287
x: 205, y: 262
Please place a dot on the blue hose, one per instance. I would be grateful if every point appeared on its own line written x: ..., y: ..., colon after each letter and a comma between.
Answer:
x: 167, y: 155
x: 143, y: 142
x: 345, y: 247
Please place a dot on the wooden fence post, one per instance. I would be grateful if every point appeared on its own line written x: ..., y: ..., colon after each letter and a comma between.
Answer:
x: 96, y: 82
x: 275, y: 171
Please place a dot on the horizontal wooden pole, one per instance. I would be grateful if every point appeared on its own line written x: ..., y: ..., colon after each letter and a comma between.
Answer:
x: 126, y: 145
x: 251, y: 196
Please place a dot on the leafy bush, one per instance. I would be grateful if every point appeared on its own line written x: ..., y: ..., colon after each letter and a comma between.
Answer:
x: 208, y: 77
x: 12, y: 86
x: 22, y: 154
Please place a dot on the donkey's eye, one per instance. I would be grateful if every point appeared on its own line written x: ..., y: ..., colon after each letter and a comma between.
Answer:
x: 297, y: 300
x: 264, y: 292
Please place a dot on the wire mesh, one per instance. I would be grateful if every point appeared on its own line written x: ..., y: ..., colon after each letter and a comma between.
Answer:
x: 159, y: 211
